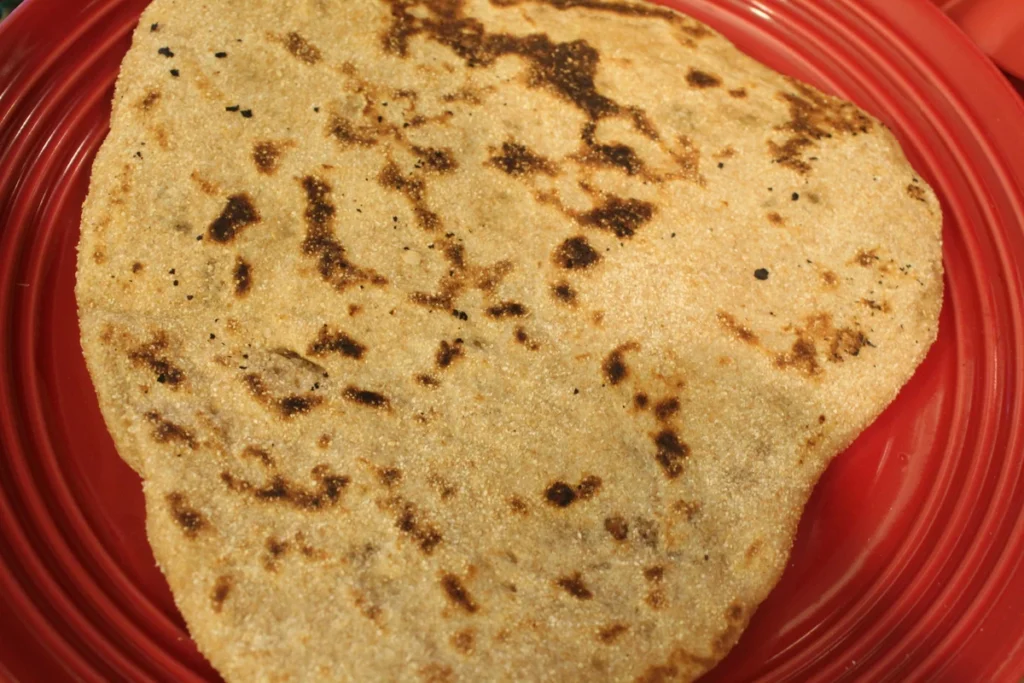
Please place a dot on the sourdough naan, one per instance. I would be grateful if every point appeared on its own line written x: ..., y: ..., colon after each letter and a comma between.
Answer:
x: 465, y: 340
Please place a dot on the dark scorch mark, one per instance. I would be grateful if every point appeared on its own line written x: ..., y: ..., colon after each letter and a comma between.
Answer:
x: 302, y: 49
x: 414, y: 189
x: 738, y: 330
x: 286, y: 406
x: 266, y: 155
x: 516, y: 159
x: 187, y: 517
x: 219, y: 593
x: 321, y: 244
x: 617, y: 526
x: 165, y: 431
x: 666, y: 408
x: 564, y: 292
x: 409, y: 521
x: 364, y: 397
x: 242, y: 277
x: 448, y: 353
x: 609, y: 634
x: 671, y: 453
x: 435, y: 159
x: 458, y: 594
x: 566, y: 69
x: 813, y: 116
x: 334, y: 341
x: 701, y: 79
x: 574, y: 586
x: 576, y: 253
x: 614, y: 366
x: 507, y: 309
x: 150, y: 355
x: 561, y: 494
x: 623, y: 217
x: 617, y: 155
x: 342, y: 130
x: 238, y: 213
x: 278, y: 489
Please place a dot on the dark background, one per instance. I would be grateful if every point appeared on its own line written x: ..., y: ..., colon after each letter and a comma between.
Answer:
x: 6, y: 6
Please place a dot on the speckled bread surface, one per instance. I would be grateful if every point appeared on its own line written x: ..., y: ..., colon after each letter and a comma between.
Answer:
x: 461, y: 340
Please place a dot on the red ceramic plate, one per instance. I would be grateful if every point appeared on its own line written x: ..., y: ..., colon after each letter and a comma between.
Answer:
x: 909, y: 564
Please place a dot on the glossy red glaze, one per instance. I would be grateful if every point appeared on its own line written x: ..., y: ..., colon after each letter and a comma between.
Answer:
x: 997, y: 26
x: 909, y: 564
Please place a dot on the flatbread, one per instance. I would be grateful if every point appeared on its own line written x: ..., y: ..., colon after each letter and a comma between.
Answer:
x: 485, y: 340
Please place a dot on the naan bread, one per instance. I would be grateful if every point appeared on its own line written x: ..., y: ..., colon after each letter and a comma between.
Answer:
x: 464, y: 340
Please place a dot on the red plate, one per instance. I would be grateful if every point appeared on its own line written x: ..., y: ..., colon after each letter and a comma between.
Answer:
x: 909, y: 563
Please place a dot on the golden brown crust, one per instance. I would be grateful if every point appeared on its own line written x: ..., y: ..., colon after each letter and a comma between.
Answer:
x: 498, y: 339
